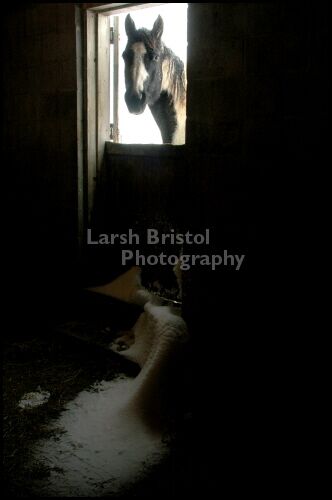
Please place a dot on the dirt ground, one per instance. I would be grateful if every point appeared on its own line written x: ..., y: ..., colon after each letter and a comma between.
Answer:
x: 64, y: 361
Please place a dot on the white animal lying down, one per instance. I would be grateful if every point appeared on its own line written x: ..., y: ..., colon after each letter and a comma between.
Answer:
x: 111, y: 437
x: 153, y: 344
x: 156, y: 323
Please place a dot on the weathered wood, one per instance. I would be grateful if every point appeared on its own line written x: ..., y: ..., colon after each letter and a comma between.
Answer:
x: 147, y: 150
x: 119, y: 8
x: 103, y: 86
x: 80, y: 126
x: 91, y: 118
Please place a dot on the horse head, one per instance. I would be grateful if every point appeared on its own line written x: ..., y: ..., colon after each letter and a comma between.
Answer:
x: 143, y: 60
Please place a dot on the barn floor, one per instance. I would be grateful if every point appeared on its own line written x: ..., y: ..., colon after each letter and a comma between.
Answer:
x: 67, y: 359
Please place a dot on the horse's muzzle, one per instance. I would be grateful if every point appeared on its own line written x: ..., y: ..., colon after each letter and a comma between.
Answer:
x: 135, y: 103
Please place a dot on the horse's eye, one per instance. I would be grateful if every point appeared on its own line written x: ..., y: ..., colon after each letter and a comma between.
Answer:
x: 153, y: 56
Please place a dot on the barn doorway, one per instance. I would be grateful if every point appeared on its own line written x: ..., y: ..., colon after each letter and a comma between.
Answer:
x: 128, y: 128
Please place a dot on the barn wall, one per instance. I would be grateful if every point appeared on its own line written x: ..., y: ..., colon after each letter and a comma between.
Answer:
x: 257, y: 124
x: 257, y: 100
x: 40, y: 142
x: 256, y: 117
x: 256, y: 92
x: 256, y: 105
x: 253, y: 72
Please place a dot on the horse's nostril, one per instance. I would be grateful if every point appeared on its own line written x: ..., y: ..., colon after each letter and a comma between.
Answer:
x: 136, y: 102
x: 134, y: 94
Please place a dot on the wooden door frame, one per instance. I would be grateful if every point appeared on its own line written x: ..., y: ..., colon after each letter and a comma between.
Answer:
x: 93, y: 99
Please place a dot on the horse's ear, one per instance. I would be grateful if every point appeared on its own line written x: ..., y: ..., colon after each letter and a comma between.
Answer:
x: 158, y: 27
x: 130, y: 26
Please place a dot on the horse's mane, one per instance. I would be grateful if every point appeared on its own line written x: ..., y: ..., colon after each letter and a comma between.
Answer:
x: 174, y: 80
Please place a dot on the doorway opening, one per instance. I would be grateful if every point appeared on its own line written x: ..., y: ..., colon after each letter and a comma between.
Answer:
x: 126, y: 127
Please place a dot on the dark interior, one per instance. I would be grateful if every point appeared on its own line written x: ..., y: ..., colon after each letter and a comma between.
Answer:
x: 256, y: 127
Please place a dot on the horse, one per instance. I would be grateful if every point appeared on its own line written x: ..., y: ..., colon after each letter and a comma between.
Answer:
x: 156, y: 77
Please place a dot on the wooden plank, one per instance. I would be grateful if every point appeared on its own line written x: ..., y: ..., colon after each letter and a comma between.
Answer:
x: 103, y: 87
x: 80, y: 126
x: 154, y: 150
x: 91, y: 112
x: 118, y: 8
x: 116, y: 80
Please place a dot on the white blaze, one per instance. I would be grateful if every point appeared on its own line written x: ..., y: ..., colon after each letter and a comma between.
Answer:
x: 139, y: 73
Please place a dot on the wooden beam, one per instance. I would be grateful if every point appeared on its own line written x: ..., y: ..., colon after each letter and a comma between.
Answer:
x: 118, y: 8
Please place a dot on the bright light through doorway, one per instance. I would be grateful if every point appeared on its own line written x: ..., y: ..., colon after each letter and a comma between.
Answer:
x: 142, y: 129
